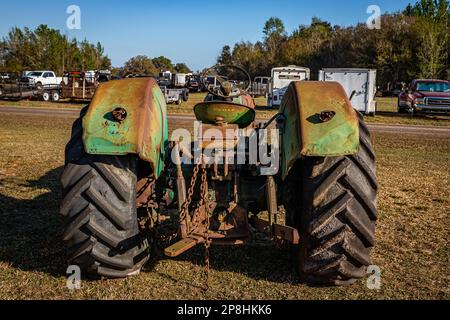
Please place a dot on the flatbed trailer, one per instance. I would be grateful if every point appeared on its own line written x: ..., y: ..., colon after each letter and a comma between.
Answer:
x: 18, y: 91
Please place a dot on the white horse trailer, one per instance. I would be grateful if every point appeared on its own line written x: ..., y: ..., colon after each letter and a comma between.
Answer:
x: 180, y: 80
x: 360, y: 85
x: 280, y: 81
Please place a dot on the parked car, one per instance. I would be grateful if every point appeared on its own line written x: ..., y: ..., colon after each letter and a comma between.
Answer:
x: 193, y: 85
x: 42, y: 79
x: 425, y: 95
x: 281, y: 79
x: 4, y: 75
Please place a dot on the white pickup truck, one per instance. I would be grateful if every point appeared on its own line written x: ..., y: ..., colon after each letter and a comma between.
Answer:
x: 44, y: 79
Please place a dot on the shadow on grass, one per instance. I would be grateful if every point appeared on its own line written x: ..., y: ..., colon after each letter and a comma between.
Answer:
x: 30, y: 237
x: 30, y: 230
x: 259, y: 259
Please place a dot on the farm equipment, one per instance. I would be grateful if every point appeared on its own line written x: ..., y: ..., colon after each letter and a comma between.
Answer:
x: 128, y: 189
x: 82, y: 85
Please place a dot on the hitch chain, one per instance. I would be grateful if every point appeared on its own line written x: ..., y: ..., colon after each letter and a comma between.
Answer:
x: 204, y: 193
x: 195, y: 220
x: 185, y: 208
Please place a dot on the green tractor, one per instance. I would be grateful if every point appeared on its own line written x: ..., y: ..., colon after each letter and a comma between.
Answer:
x: 306, y: 178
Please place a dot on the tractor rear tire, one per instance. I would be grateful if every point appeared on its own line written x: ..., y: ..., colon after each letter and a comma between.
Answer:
x: 332, y: 202
x: 101, y: 231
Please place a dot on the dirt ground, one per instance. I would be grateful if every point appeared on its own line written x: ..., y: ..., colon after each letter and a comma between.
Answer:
x: 412, y: 247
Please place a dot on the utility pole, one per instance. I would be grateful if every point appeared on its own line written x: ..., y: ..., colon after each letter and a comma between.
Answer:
x: 64, y: 53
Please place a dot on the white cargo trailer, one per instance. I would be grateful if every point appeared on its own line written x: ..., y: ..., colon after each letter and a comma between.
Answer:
x: 360, y: 85
x: 179, y: 80
x: 280, y: 80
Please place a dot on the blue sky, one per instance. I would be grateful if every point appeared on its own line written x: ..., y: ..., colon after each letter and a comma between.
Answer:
x: 186, y: 31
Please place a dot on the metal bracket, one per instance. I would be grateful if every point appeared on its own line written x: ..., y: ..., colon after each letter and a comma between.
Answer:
x: 276, y: 230
x: 272, y: 205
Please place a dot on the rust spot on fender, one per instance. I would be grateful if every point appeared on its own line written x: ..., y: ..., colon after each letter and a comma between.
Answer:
x: 141, y: 127
x: 306, y: 134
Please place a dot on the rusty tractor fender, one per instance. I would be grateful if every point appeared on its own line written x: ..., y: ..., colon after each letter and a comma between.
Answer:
x: 319, y: 122
x: 128, y: 117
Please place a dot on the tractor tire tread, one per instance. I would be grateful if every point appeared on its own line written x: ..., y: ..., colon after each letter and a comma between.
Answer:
x: 336, y: 214
x: 101, y: 230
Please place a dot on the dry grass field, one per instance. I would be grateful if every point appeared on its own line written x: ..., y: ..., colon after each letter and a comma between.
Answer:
x: 412, y: 249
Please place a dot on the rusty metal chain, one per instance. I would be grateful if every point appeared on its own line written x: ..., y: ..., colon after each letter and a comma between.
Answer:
x: 185, y: 207
x: 150, y: 223
x: 197, y: 216
x: 207, y: 225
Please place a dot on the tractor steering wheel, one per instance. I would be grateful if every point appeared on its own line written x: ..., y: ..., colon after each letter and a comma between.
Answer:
x: 226, y: 87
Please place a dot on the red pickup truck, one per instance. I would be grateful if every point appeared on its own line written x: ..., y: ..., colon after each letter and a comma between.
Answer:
x: 425, y: 96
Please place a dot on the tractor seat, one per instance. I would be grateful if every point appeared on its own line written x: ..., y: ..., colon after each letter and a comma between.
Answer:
x: 240, y: 111
x: 224, y: 112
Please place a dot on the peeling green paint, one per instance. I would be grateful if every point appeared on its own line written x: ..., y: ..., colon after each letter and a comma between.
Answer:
x: 143, y: 132
x: 305, y: 134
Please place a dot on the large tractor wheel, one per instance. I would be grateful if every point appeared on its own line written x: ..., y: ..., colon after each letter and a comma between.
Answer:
x: 332, y: 202
x: 99, y: 205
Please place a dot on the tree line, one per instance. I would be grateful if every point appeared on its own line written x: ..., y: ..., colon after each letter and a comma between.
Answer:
x: 410, y: 44
x: 144, y: 65
x: 47, y: 49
